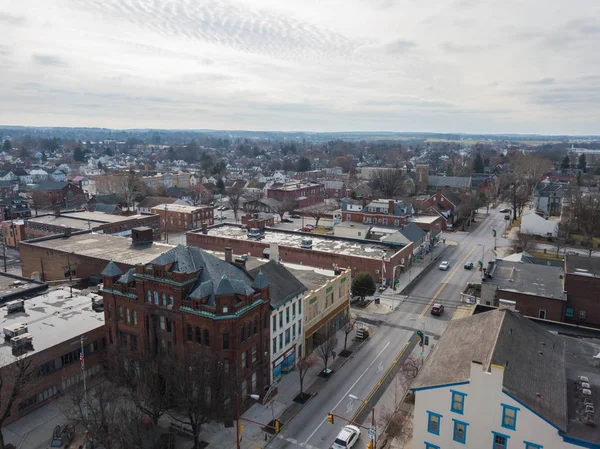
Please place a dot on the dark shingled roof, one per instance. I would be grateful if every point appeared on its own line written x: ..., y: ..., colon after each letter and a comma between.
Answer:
x: 187, y: 259
x: 283, y: 284
x: 152, y: 201
x: 128, y: 277
x: 533, y: 360
x: 111, y: 270
x: 412, y: 232
x: 260, y: 281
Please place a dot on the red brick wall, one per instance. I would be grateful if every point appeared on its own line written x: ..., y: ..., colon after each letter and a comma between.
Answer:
x: 360, y: 217
x: 313, y: 258
x: 183, y: 221
x: 583, y: 294
x: 530, y: 305
x: 314, y: 194
x: 39, y: 384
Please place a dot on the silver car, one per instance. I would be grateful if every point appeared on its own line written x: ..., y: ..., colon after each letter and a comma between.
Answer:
x: 444, y: 265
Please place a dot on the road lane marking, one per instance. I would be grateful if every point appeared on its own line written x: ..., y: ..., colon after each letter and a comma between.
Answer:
x: 443, y: 286
x: 394, y: 362
x: 345, y: 396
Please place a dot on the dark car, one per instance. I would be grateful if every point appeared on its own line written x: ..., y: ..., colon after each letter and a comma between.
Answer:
x: 507, y: 217
x: 505, y: 210
x: 437, y: 309
x: 468, y: 265
x: 295, y: 216
x: 287, y: 220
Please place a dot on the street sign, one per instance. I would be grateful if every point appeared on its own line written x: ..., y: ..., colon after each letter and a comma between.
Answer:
x: 372, y: 431
x: 420, y: 335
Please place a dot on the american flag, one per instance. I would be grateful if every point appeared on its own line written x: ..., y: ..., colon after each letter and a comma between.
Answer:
x: 82, y: 361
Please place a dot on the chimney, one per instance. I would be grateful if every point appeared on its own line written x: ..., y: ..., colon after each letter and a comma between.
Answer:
x: 391, y: 207
x: 67, y: 232
x: 228, y: 254
x: 57, y: 211
x: 274, y: 252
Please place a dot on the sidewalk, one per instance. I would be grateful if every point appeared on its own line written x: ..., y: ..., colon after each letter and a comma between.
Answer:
x: 282, y: 407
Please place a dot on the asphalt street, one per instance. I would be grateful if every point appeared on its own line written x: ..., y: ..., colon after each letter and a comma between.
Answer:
x: 393, y: 333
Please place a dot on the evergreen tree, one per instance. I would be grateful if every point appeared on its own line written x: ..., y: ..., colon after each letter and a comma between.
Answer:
x: 303, y: 164
x: 582, y: 162
x: 478, y: 163
x: 566, y: 162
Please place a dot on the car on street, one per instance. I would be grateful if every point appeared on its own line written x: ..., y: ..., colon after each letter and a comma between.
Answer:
x: 505, y: 210
x: 383, y: 288
x: 347, y: 437
x: 287, y: 220
x: 507, y: 217
x: 444, y: 265
x: 468, y: 265
x: 437, y: 309
x: 295, y: 216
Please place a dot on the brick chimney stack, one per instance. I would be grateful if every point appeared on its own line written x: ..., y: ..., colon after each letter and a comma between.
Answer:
x: 228, y: 254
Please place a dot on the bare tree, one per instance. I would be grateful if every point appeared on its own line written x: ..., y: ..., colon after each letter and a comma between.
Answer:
x: 588, y: 219
x: 39, y: 200
x: 130, y: 189
x: 200, y: 388
x: 318, y: 212
x: 14, y: 379
x: 282, y: 207
x: 198, y: 195
x: 524, y: 242
x: 235, y: 198
x: 303, y: 365
x: 327, y: 347
x: 390, y: 182
x: 348, y: 326
x: 410, y: 368
x: 517, y: 185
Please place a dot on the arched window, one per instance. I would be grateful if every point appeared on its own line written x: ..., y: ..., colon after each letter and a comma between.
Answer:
x: 149, y: 296
x: 164, y: 300
x: 171, y: 299
x: 156, y: 298
x: 206, y: 337
x: 198, y: 335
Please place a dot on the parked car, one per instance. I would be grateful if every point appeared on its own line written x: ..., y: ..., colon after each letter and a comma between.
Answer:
x: 383, y: 288
x: 444, y: 265
x: 311, y: 226
x: 287, y: 220
x: 62, y: 436
x: 507, y: 217
x: 437, y: 309
x: 504, y: 210
x: 468, y: 265
x: 306, y: 229
x: 295, y: 216
x: 347, y: 437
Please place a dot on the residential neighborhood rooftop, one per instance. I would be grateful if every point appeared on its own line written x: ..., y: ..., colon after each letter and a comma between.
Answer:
x: 533, y: 279
x: 583, y: 265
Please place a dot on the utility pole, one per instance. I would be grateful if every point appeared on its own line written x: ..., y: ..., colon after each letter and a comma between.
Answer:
x: 166, y: 225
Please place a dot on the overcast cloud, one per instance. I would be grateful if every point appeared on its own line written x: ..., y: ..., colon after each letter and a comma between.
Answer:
x: 523, y: 66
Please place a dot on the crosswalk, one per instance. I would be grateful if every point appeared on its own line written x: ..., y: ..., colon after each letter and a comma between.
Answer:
x: 296, y: 443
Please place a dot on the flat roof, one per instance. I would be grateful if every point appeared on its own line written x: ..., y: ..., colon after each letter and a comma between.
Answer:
x: 80, y: 220
x: 104, y: 247
x: 11, y: 285
x: 294, y: 239
x: 52, y: 318
x: 528, y: 278
x: 296, y: 186
x: 180, y: 207
x: 423, y: 218
x: 583, y: 265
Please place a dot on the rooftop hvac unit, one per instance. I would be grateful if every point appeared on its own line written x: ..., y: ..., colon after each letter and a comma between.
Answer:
x: 15, y: 306
x: 14, y: 330
x: 21, y: 343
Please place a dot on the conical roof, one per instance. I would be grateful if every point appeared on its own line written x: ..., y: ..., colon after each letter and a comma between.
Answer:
x: 225, y: 287
x: 260, y: 281
x: 111, y: 270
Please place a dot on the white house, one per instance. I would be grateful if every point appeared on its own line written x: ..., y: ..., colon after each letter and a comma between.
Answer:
x: 498, y: 380
x: 287, y: 293
x: 532, y: 223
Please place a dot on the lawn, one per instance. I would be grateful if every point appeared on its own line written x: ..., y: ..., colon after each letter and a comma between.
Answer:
x: 516, y: 223
x: 579, y: 238
x: 550, y: 255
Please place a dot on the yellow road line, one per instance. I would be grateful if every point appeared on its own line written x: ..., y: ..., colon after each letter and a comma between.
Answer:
x: 452, y: 273
x: 376, y: 387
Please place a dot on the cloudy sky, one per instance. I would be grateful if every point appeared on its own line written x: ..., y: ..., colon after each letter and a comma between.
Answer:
x: 523, y: 66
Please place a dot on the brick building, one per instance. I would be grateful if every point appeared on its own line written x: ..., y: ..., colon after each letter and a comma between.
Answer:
x: 86, y: 254
x: 383, y: 261
x: 59, y: 222
x: 582, y: 287
x: 302, y: 194
x: 181, y: 217
x: 63, y: 194
x: 536, y: 290
x: 13, y: 232
x: 258, y: 220
x: 444, y: 203
x: 56, y: 324
x: 377, y: 212
x: 189, y: 300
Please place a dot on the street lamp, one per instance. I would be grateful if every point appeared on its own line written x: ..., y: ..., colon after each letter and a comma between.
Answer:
x: 237, y: 416
x: 482, y: 254
x: 373, y: 437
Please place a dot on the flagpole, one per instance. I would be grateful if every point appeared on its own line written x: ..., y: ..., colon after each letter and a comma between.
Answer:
x: 84, y: 380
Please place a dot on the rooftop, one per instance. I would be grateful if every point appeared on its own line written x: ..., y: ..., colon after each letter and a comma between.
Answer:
x: 80, y: 219
x: 104, y: 247
x: 423, y: 218
x: 283, y: 284
x: 51, y: 319
x: 583, y: 265
x: 180, y: 207
x: 529, y: 279
x: 12, y: 286
x: 294, y: 239
x: 295, y: 185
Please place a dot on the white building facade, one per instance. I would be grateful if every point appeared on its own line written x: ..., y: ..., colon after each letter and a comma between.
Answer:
x: 286, y: 337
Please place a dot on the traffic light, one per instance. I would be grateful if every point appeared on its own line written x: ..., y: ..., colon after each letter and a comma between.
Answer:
x: 330, y: 418
x: 241, y: 427
x: 277, y: 426
x: 426, y: 341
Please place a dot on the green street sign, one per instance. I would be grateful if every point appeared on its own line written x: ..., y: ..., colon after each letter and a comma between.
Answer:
x: 420, y: 335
